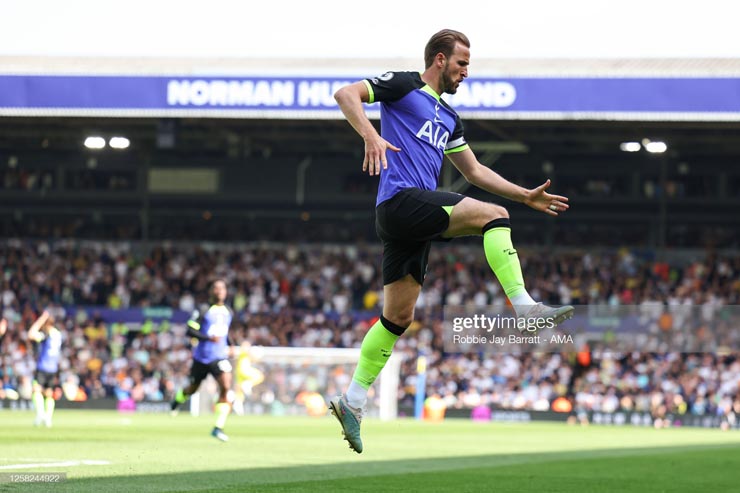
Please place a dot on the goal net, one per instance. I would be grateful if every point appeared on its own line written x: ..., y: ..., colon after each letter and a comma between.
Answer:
x: 298, y: 381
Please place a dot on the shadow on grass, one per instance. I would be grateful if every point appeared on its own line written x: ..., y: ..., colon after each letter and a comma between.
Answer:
x: 685, y: 468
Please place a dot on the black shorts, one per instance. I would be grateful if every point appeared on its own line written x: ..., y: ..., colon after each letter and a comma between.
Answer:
x: 45, y: 379
x: 199, y: 371
x: 407, y: 223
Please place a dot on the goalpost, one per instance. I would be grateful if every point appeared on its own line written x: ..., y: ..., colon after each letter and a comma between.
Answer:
x: 304, y: 364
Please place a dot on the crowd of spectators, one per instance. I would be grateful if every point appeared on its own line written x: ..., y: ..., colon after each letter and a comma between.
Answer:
x: 327, y: 296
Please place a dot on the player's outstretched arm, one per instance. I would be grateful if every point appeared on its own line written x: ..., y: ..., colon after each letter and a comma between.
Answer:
x: 34, y: 332
x: 490, y: 181
x: 542, y: 201
x: 350, y: 99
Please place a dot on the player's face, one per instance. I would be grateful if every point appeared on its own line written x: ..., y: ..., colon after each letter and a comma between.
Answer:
x: 219, y: 291
x: 456, y: 69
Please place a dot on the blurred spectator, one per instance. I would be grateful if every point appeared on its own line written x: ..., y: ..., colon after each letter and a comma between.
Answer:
x: 326, y: 296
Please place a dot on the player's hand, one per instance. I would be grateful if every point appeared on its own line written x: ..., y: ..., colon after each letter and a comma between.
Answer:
x: 214, y: 338
x: 375, y: 154
x: 542, y: 201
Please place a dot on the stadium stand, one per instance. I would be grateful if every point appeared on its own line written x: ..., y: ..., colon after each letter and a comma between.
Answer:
x: 325, y: 296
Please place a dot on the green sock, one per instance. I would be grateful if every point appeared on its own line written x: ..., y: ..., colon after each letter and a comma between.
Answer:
x: 504, y: 261
x: 374, y: 353
x: 50, y: 403
x: 222, y: 412
x: 180, y: 397
x: 38, y: 404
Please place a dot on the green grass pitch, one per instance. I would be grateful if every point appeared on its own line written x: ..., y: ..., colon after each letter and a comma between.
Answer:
x: 143, y: 452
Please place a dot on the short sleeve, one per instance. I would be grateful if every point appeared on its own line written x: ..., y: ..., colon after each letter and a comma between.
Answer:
x: 196, y: 320
x: 391, y: 86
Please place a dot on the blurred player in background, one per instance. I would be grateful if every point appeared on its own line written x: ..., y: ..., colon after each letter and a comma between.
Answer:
x: 420, y: 128
x: 247, y: 376
x: 49, y: 346
x: 211, y: 354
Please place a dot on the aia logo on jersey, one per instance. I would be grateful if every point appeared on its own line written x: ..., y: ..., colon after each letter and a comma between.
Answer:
x: 435, y: 135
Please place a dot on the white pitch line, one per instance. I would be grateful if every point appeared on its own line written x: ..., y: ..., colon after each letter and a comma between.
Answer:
x: 69, y: 463
x: 27, y: 459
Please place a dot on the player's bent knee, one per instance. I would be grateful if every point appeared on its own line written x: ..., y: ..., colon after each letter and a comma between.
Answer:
x: 498, y: 212
x: 398, y: 325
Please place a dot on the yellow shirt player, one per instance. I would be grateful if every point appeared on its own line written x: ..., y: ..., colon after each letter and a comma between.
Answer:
x: 247, y: 376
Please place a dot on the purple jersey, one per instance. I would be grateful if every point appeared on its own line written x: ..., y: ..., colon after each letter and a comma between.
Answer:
x: 50, y: 351
x: 414, y: 118
x: 213, y: 322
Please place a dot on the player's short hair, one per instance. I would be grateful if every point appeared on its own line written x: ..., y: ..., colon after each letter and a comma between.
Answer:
x: 443, y: 42
x: 212, y: 285
x: 214, y: 281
